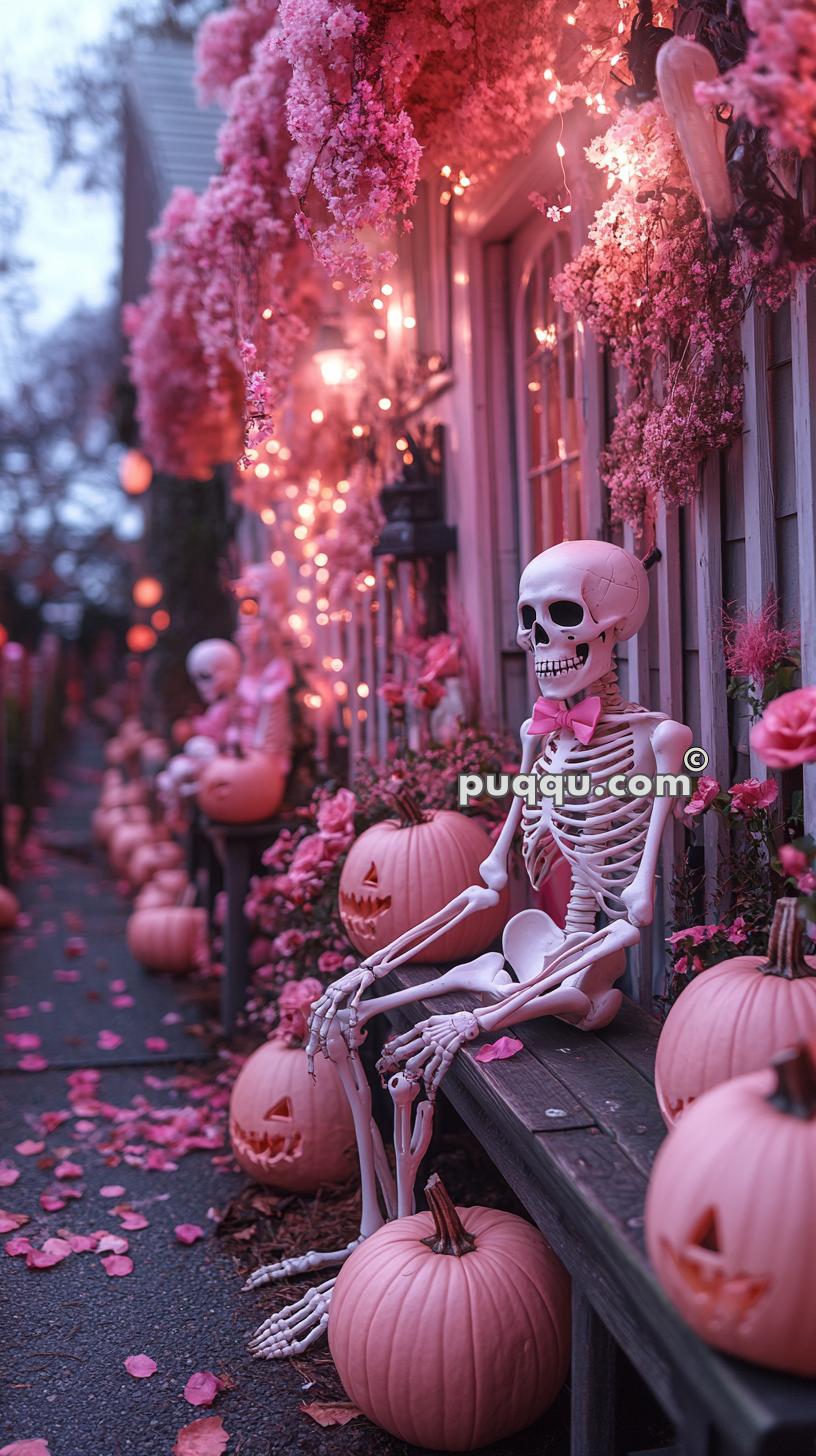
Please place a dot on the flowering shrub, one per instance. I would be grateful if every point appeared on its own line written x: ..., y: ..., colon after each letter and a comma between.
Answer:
x: 667, y: 307
x: 775, y: 85
x: 293, y: 905
x: 749, y: 881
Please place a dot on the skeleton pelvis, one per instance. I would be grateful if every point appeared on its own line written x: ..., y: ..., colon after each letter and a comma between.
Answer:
x: 529, y: 939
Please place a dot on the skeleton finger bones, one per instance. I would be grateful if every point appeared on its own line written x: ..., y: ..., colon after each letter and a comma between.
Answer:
x: 426, y: 1051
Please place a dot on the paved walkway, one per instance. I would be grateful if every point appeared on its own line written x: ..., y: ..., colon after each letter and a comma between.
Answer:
x: 112, y: 1124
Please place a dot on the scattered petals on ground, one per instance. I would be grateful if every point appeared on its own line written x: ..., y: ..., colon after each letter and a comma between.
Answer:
x: 202, y: 1388
x: 205, y: 1437
x: 140, y: 1366
x: 331, y: 1413
x: 9, y: 1221
x: 32, y: 1062
x: 8, y: 1175
x: 35, y: 1447
x: 108, y: 1041
x: 188, y: 1233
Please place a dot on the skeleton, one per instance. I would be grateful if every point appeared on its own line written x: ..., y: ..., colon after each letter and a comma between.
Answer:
x: 576, y: 601
x: 214, y: 666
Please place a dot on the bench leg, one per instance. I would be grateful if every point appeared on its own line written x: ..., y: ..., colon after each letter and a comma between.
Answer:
x: 236, y: 932
x: 592, y: 1412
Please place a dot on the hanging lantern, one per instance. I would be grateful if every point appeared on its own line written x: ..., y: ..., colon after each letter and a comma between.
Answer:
x: 334, y: 357
x: 147, y: 591
x: 140, y: 637
x: 135, y: 473
x: 681, y: 64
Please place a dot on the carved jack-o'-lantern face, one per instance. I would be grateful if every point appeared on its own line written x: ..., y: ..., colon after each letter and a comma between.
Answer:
x: 288, y: 1130
x: 725, y: 1299
x: 728, y: 1224
x: 398, y: 873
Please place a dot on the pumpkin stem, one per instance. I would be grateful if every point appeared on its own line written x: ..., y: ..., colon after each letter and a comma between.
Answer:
x: 795, y: 1091
x: 405, y: 803
x: 785, y: 956
x: 450, y: 1235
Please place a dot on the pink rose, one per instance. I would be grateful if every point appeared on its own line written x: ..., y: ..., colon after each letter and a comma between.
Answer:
x: 442, y: 657
x: 807, y: 883
x: 288, y: 943
x: 428, y: 693
x: 335, y: 817
x: 786, y: 733
x: 310, y: 855
x: 329, y: 963
x: 751, y: 795
x: 707, y: 789
x: 392, y: 693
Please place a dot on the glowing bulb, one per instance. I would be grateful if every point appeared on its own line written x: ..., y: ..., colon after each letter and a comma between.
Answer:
x: 267, y: 313
x: 313, y: 700
x: 291, y: 492
x: 306, y: 511
x: 268, y: 516
x: 552, y: 97
x: 336, y: 664
x: 322, y: 620
x: 445, y: 171
x: 303, y: 595
x: 357, y: 431
x: 370, y: 580
x: 285, y: 452
x: 317, y: 416
x: 384, y: 403
x: 278, y: 558
x: 338, y: 507
x: 379, y: 333
x: 570, y: 19
x: 301, y: 532
x: 377, y: 303
x: 548, y: 75
x: 262, y: 470
x: 409, y: 322
x: 340, y: 689
x: 402, y: 443
x: 322, y: 575
x: 321, y: 559
x: 344, y: 486
x: 272, y: 447
x: 296, y: 622
x: 387, y: 289
x: 560, y: 150
x: 363, y: 690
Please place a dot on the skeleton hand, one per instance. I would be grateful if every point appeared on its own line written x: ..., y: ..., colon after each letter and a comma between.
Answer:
x: 344, y: 993
x: 427, y: 1050
x: 639, y: 902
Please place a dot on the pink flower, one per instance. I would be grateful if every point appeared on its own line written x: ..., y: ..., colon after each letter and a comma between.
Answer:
x: 794, y: 862
x: 706, y: 791
x: 335, y: 817
x: 751, y: 795
x: 310, y: 855
x: 754, y: 645
x: 737, y: 933
x: 392, y: 693
x: 288, y: 943
x: 786, y: 733
x: 329, y: 963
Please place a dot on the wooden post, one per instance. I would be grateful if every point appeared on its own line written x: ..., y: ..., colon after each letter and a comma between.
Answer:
x: 803, y: 354
x: 237, y: 860
x: 711, y: 659
x: 592, y: 1405
x: 760, y: 514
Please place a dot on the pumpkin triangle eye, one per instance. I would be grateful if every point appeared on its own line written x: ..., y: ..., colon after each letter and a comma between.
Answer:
x: 706, y: 1234
x: 282, y: 1108
x: 371, y: 877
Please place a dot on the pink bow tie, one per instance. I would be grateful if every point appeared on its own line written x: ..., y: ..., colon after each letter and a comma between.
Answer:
x: 582, y: 719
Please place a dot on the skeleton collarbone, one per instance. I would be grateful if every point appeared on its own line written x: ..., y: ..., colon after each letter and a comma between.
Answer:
x: 600, y: 835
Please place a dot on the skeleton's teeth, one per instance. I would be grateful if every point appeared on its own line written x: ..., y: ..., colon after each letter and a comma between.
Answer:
x: 555, y: 669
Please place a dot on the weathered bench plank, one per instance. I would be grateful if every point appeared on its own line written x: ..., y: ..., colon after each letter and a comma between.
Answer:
x: 583, y: 1181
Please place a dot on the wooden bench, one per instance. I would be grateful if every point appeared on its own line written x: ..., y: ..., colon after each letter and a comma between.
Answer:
x: 572, y: 1124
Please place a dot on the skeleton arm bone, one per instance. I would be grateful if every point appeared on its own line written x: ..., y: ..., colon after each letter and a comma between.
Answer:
x: 349, y: 990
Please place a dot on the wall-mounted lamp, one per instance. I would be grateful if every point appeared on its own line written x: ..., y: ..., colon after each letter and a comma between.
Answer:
x: 681, y: 64
x: 334, y: 358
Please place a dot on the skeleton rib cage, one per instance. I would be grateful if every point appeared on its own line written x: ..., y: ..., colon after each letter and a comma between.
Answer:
x: 601, y: 836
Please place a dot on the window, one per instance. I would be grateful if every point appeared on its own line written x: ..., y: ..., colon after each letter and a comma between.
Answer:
x: 550, y: 382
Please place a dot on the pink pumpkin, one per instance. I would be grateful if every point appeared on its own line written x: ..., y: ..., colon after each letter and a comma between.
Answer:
x: 469, y: 1307
x: 146, y: 859
x: 167, y: 939
x: 734, y: 1017
x: 125, y: 840
x: 241, y: 790
x: 729, y: 1215
x: 287, y: 1129
x: 402, y: 870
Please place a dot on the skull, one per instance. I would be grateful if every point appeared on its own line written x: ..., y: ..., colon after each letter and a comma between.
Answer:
x: 577, y: 600
x: 214, y: 666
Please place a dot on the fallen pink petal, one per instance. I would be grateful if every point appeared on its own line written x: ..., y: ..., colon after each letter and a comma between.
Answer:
x: 116, y: 1266
x: 9, y: 1221
x: 499, y: 1051
x: 140, y: 1366
x: 111, y: 1190
x: 29, y: 1148
x: 108, y: 1041
x: 32, y: 1062
x: 8, y: 1175
x: 34, y: 1447
x: 205, y: 1437
x: 202, y: 1388
x: 188, y: 1233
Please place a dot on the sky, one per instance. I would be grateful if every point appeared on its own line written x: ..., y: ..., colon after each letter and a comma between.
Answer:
x: 70, y: 236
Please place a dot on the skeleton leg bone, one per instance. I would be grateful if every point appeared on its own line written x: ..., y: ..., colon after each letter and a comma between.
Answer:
x: 410, y: 1144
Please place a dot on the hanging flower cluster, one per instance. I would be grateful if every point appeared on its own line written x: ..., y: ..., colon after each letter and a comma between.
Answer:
x: 775, y: 86
x: 667, y: 306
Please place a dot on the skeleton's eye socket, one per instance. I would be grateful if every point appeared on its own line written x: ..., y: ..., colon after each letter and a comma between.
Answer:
x: 567, y: 614
x: 528, y: 617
